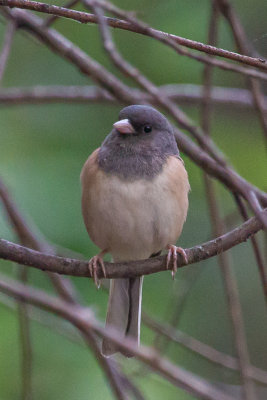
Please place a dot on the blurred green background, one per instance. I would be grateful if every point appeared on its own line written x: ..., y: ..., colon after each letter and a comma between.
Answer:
x: 42, y: 150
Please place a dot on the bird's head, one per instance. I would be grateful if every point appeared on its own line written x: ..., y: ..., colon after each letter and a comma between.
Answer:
x: 141, y: 121
x: 139, y: 143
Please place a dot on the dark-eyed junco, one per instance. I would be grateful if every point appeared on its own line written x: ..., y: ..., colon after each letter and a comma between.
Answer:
x: 134, y: 203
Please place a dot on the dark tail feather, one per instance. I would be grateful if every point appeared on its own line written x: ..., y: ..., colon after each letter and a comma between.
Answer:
x: 124, y: 311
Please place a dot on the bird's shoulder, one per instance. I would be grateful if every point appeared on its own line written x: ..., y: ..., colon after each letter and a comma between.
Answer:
x: 91, y: 167
x: 175, y: 173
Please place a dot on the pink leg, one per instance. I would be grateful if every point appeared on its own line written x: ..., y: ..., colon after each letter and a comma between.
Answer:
x: 172, y: 257
x: 93, y: 265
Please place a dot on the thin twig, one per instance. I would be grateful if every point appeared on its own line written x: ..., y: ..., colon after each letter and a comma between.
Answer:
x: 174, y: 42
x: 90, y: 18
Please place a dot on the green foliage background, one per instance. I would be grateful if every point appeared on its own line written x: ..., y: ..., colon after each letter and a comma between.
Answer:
x: 42, y: 150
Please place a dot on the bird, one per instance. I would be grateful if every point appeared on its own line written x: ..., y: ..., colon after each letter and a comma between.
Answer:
x: 134, y: 204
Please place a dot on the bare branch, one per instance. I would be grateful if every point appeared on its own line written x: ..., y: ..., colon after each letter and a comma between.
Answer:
x: 68, y: 266
x: 50, y: 20
x: 90, y: 18
x: 170, y: 40
x: 181, y: 93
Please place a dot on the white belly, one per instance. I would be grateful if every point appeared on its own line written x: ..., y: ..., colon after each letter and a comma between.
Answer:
x: 134, y: 220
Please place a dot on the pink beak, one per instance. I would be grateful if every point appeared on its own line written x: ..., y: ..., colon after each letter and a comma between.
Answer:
x: 124, y: 126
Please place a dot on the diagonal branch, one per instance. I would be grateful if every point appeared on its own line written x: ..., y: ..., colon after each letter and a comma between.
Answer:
x: 143, y: 29
x: 50, y: 20
x: 174, y: 42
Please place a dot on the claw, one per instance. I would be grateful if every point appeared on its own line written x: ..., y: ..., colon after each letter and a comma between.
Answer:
x: 93, y: 266
x: 172, y: 257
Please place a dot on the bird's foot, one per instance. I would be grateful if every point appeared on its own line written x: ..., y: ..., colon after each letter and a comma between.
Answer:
x: 93, y: 265
x: 172, y: 257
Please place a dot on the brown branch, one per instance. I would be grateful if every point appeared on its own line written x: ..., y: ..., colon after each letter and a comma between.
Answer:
x: 85, y: 321
x: 115, y: 23
x: 68, y: 266
x: 181, y: 93
x: 166, y: 38
x: 66, y: 49
x: 50, y: 20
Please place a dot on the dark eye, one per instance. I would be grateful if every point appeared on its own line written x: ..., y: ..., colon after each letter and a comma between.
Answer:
x: 147, y: 128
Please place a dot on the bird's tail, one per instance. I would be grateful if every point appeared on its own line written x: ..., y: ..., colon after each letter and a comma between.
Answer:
x: 124, y: 311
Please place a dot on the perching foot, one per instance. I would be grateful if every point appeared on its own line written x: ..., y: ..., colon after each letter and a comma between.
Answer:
x: 172, y: 257
x: 93, y: 266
